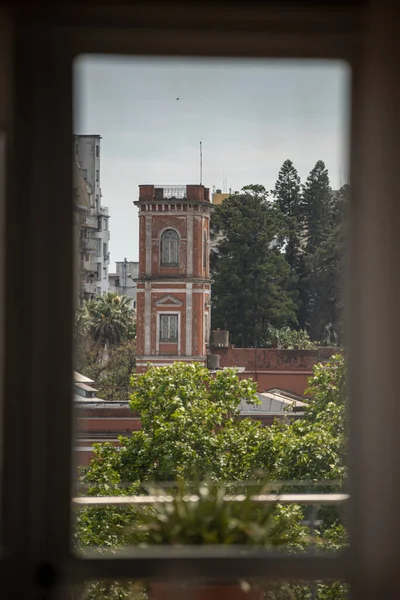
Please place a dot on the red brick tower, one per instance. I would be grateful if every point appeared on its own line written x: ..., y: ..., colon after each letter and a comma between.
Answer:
x: 173, y: 288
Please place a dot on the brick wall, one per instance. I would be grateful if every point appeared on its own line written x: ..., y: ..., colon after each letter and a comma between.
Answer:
x: 288, y: 370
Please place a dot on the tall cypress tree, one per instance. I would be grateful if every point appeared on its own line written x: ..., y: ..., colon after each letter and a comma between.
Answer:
x: 327, y: 271
x: 316, y: 205
x: 317, y: 219
x: 253, y: 285
x: 287, y: 194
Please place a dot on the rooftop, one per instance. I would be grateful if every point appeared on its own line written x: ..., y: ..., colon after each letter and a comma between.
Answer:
x: 79, y: 378
x: 196, y: 193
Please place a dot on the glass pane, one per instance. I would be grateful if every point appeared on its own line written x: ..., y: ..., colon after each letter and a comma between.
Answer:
x: 164, y: 327
x: 236, y: 438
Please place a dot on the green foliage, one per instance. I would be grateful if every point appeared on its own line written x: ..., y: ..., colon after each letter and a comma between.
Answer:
x: 253, y: 285
x: 111, y: 319
x: 111, y: 369
x: 202, y: 515
x: 312, y: 448
x: 322, y: 263
x: 105, y: 344
x: 326, y: 272
x: 327, y: 388
x: 280, y: 260
x: 316, y: 206
x: 287, y: 195
x: 190, y: 431
x: 290, y: 339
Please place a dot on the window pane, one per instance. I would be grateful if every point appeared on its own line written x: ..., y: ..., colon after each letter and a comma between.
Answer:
x: 169, y: 248
x: 246, y: 385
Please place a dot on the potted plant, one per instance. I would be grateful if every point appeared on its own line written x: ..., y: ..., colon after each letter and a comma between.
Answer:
x: 207, y: 515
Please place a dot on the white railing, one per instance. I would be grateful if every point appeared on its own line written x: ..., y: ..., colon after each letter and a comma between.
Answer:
x: 90, y: 266
x: 91, y: 221
x: 91, y: 244
x: 173, y: 191
x: 90, y: 288
x: 303, y: 499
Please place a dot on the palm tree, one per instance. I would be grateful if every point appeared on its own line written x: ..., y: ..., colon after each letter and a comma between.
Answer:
x: 82, y: 323
x: 112, y: 319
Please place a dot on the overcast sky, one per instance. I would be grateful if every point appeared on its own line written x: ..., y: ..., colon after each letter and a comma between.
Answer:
x: 250, y: 116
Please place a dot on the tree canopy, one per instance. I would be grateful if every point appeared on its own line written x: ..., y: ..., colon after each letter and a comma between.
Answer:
x: 288, y: 197
x: 279, y: 257
x: 253, y: 285
x: 191, y: 430
x: 105, y: 344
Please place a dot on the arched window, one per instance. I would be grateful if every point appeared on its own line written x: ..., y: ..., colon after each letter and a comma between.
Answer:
x: 170, y: 249
x: 205, y: 251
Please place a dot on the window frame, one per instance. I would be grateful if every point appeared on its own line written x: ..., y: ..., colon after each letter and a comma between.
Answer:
x: 36, y: 493
x: 168, y: 316
x: 171, y: 264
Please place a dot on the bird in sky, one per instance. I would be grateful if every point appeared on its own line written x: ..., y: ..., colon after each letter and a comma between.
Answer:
x: 178, y: 98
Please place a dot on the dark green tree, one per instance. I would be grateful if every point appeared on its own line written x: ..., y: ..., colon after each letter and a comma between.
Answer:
x: 326, y: 273
x: 287, y: 194
x: 316, y: 220
x: 253, y: 285
x: 316, y: 207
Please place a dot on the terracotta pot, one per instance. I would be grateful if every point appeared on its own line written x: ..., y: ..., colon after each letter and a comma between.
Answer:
x: 172, y: 591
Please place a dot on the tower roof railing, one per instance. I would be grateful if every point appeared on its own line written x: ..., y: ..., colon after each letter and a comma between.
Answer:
x: 172, y: 191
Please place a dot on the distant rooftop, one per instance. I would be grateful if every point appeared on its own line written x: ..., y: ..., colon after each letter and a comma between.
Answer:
x: 192, y: 192
x: 79, y: 378
x: 272, y: 402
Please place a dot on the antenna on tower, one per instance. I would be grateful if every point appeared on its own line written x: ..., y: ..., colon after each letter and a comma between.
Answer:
x: 201, y: 165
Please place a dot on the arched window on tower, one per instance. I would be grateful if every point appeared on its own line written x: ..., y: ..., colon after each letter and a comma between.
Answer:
x: 205, y: 250
x: 170, y: 248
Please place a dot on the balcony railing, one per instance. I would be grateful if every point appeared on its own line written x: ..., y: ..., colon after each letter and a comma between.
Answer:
x: 90, y: 266
x: 90, y: 244
x: 91, y: 221
x: 90, y: 288
x: 302, y: 499
x: 173, y: 191
x: 220, y: 561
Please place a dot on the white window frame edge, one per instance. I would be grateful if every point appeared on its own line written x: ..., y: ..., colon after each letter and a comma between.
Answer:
x: 41, y: 492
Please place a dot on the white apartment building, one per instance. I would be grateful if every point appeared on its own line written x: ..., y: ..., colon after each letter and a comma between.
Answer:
x: 87, y: 157
x: 123, y: 282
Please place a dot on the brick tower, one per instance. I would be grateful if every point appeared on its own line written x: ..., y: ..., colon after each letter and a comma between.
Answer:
x: 173, y: 287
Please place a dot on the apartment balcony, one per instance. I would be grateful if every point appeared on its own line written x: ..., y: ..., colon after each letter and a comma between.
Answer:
x: 90, y: 245
x: 89, y: 288
x: 90, y: 266
x: 104, y: 210
x: 91, y: 221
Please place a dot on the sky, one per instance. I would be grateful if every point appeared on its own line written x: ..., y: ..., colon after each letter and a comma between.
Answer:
x: 250, y: 115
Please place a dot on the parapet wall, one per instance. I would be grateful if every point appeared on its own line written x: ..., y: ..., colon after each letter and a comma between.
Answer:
x: 288, y: 370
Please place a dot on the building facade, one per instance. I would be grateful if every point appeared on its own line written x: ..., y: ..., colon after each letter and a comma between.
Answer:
x: 123, y: 281
x: 173, y: 285
x: 96, y: 240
